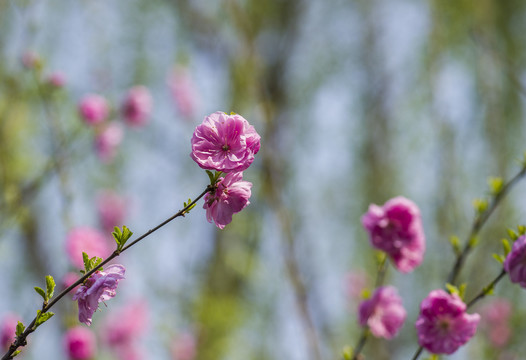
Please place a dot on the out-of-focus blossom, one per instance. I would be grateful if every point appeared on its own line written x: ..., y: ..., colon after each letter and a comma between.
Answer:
x: 183, y: 91
x: 137, y: 106
x: 80, y: 343
x: 8, y: 330
x: 495, y: 317
x: 85, y: 239
x: 224, y: 143
x: 355, y: 283
x: 230, y: 197
x: 396, y: 228
x: 93, y: 109
x: 101, y: 286
x: 124, y: 327
x: 111, y: 209
x: 31, y: 59
x: 107, y: 142
x: 515, y: 263
x: 443, y: 324
x: 56, y: 79
x: 383, y: 312
x: 183, y: 347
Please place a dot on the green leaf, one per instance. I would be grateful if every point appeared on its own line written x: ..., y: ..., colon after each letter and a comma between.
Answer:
x: 42, y: 318
x: 50, y: 286
x: 455, y: 243
x: 126, y: 234
x: 499, y: 258
x: 19, y: 328
x: 85, y: 258
x: 462, y: 290
x: 480, y: 205
x: 117, y: 235
x: 347, y: 353
x: 41, y: 292
x: 496, y: 184
x: 512, y: 234
x: 506, y: 246
x: 473, y: 241
x: 210, y: 176
x: 452, y: 289
x: 522, y: 229
x: 16, y: 353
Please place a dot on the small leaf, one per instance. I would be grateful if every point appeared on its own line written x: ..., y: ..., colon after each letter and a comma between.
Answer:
x: 506, y: 246
x: 210, y: 176
x: 365, y: 294
x: 347, y: 353
x: 512, y: 234
x: 496, y: 184
x: 480, y: 205
x: 16, y: 353
x: 473, y: 241
x: 117, y: 235
x: 499, y: 258
x: 452, y: 289
x: 126, y: 234
x: 41, y: 292
x: 50, y: 286
x: 522, y: 229
x: 19, y: 328
x: 42, y: 318
x: 488, y: 290
x: 462, y: 290
x: 455, y: 243
x: 85, y: 258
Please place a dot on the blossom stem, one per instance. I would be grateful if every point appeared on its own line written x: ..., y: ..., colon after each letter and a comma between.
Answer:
x: 417, y: 353
x: 361, y: 343
x: 486, y: 289
x: 21, y: 339
x: 479, y: 221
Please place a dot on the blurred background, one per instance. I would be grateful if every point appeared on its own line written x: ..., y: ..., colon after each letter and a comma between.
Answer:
x: 356, y: 102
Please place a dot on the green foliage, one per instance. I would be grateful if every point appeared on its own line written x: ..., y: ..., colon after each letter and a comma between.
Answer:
x: 50, y: 286
x: 455, y: 244
x: 42, y: 318
x: 460, y: 290
x: 506, y: 246
x: 121, y: 236
x: 347, y: 353
x: 480, y: 205
x: 214, y: 177
x: 90, y: 264
x: 499, y: 258
x: 41, y: 292
x: 186, y: 204
x: 512, y: 234
x: 19, y: 328
x: 496, y: 184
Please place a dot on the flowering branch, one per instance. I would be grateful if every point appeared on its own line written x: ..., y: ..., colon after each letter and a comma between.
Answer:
x: 500, y: 191
x: 44, y: 313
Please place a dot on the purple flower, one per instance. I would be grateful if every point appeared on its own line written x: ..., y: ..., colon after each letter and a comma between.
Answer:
x: 515, y: 263
x: 443, y: 324
x: 137, y: 106
x: 93, y: 109
x: 85, y: 239
x: 230, y: 197
x: 80, y: 343
x: 383, y: 313
x: 224, y: 143
x: 396, y: 228
x: 101, y: 286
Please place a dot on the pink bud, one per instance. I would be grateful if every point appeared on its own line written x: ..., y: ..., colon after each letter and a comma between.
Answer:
x: 137, y: 106
x: 107, y: 142
x: 80, y: 343
x: 93, y: 109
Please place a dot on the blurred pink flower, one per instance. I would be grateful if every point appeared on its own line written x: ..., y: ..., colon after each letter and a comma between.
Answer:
x: 31, y: 59
x: 56, y: 79
x: 123, y: 328
x: 184, y: 347
x: 111, y: 208
x: 101, y: 286
x: 515, y: 263
x: 396, y: 228
x: 355, y: 283
x: 93, y: 109
x: 88, y: 240
x: 137, y: 106
x: 383, y: 313
x: 80, y: 343
x: 8, y: 330
x: 107, y: 141
x: 495, y: 317
x: 230, y: 197
x: 68, y: 280
x: 224, y: 143
x: 443, y: 324
x: 183, y: 91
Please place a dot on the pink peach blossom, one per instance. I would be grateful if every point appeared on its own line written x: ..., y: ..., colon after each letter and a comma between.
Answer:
x: 396, y: 228
x: 85, y: 239
x: 101, y: 286
x: 183, y: 91
x: 443, y: 324
x: 224, y: 143
x: 137, y: 106
x: 107, y: 142
x: 384, y: 313
x: 93, y: 109
x: 515, y: 263
x: 230, y: 197
x: 7, y: 330
x: 80, y: 343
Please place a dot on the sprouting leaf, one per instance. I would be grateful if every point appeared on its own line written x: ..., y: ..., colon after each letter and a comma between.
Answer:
x: 522, y: 229
x: 512, y: 234
x: 506, y: 246
x: 16, y: 353
x: 462, y: 290
x: 499, y: 258
x: 50, y: 286
x: 41, y: 292
x: 480, y: 205
x: 117, y: 235
x: 496, y: 184
x: 85, y: 258
x: 19, y: 328
x: 455, y: 243
x: 452, y: 289
x: 210, y: 176
x: 42, y: 318
x: 347, y: 353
